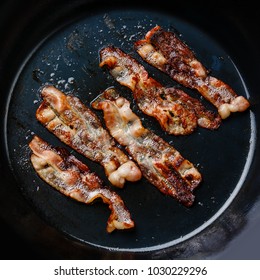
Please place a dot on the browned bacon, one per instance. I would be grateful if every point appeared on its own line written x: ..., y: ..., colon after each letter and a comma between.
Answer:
x: 77, y: 126
x: 176, y: 111
x: 161, y: 163
x: 62, y: 171
x: 165, y: 51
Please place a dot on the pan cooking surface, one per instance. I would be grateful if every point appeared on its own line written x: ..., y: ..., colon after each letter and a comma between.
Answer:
x: 69, y: 60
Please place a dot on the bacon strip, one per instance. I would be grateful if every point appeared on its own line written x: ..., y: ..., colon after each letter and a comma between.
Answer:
x: 177, y: 112
x: 161, y: 163
x: 77, y: 126
x: 62, y: 171
x: 165, y: 51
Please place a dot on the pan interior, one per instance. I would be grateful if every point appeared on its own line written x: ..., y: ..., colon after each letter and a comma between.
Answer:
x: 69, y: 60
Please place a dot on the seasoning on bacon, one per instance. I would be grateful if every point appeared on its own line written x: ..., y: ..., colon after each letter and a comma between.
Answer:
x: 78, y: 127
x: 161, y: 164
x: 176, y: 111
x: 68, y: 175
x: 165, y: 51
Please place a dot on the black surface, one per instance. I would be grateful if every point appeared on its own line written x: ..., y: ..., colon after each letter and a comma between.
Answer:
x: 55, y: 41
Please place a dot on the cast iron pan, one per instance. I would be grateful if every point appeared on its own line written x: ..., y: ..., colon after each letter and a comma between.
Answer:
x: 58, y: 43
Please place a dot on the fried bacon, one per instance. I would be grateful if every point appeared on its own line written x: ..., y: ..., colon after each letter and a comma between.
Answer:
x: 161, y: 163
x: 62, y: 171
x: 165, y: 51
x: 77, y: 126
x: 176, y: 111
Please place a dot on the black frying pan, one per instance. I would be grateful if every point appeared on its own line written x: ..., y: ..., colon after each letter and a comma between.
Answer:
x: 55, y: 42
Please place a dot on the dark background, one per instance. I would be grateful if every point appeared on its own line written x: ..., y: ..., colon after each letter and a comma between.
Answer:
x: 23, y: 234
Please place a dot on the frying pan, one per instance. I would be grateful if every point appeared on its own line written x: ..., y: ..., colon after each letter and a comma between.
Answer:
x: 57, y: 42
